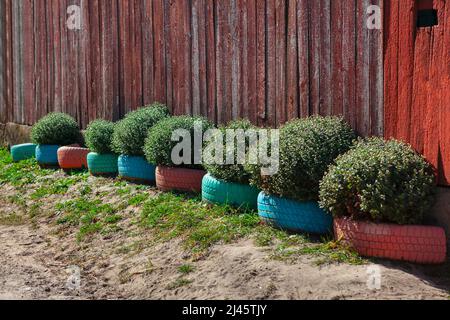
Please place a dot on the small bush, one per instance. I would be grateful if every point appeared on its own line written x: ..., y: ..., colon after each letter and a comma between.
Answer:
x: 130, y: 133
x: 307, y: 147
x: 383, y: 181
x: 56, y: 129
x: 159, y: 145
x: 98, y: 136
x: 231, y: 172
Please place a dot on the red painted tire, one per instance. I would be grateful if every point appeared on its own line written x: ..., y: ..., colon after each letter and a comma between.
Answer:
x: 72, y: 157
x: 418, y: 244
x: 179, y: 179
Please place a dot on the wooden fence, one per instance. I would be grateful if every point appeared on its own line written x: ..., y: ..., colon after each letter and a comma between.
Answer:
x: 266, y: 60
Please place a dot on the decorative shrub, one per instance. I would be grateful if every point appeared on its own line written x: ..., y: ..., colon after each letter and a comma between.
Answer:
x: 307, y: 147
x: 231, y: 172
x: 98, y: 136
x: 130, y: 133
x: 159, y: 145
x: 56, y: 129
x: 383, y: 181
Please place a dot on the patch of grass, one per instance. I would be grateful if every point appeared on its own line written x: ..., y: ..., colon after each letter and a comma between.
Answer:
x: 138, y: 199
x: 185, y: 269
x: 21, y: 173
x: 200, y: 225
x: 91, y: 216
x: 180, y: 282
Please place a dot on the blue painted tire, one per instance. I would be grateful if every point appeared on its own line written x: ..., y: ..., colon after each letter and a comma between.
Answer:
x: 234, y: 194
x: 24, y: 151
x: 47, y: 155
x: 136, y: 168
x: 293, y: 215
x: 102, y: 164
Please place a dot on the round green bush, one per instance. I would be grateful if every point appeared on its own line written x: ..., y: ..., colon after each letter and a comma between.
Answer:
x: 159, y: 145
x: 307, y: 147
x: 56, y: 129
x: 231, y: 172
x: 382, y: 181
x: 130, y: 133
x: 98, y: 136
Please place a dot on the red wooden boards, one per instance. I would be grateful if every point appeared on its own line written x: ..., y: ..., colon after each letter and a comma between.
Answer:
x: 417, y: 86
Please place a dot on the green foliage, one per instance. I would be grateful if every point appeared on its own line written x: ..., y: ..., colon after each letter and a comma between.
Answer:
x: 159, y: 145
x: 130, y: 133
x: 231, y: 172
x: 383, y: 181
x: 98, y: 136
x: 307, y: 147
x: 56, y: 129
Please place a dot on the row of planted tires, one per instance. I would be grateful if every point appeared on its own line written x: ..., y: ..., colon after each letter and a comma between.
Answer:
x: 419, y: 244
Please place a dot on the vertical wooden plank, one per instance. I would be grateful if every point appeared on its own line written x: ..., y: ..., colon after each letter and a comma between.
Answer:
x: 168, y: 53
x: 445, y: 110
x: 292, y: 60
x: 195, y: 58
x: 174, y: 50
x: 148, y: 51
x: 271, y: 67
x: 314, y: 56
x: 124, y: 57
x: 185, y: 12
x: 9, y: 62
x: 57, y: 76
x: 3, y: 112
x: 211, y: 59
x: 349, y: 62
x: 337, y: 57
x: 159, y: 51
x: 261, y: 61
x: 363, y: 69
x: 18, y: 61
x: 243, y: 43
x: 234, y: 26
x: 303, y: 26
x: 390, y: 44
x: 405, y: 67
x: 280, y: 40
x: 325, y: 58
x: 202, y: 57
x: 28, y: 61
x: 251, y: 61
x: 376, y: 78
x: 136, y: 40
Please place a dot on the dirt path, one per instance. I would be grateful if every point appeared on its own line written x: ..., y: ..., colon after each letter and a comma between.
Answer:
x: 35, y: 265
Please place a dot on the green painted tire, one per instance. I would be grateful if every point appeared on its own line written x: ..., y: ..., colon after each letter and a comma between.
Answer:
x: 24, y: 151
x: 102, y: 164
x: 234, y: 194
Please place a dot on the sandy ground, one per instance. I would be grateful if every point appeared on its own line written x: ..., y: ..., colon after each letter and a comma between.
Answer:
x: 36, y: 265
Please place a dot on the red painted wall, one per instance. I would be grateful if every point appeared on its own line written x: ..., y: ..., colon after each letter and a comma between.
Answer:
x: 417, y: 80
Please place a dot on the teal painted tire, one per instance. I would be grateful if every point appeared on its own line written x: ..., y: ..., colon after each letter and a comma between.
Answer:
x: 305, y: 216
x: 23, y: 151
x: 47, y: 155
x: 234, y: 194
x: 136, y: 168
x: 102, y: 164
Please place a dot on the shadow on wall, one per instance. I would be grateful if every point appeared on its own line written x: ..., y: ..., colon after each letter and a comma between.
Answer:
x: 440, y: 214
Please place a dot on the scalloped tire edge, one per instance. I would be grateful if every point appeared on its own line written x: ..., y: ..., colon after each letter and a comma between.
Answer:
x: 294, y: 215
x: 47, y: 155
x: 23, y: 151
x: 224, y: 192
x: 135, y: 169
x: 102, y: 164
x: 417, y: 244
x: 179, y: 179
x: 72, y: 157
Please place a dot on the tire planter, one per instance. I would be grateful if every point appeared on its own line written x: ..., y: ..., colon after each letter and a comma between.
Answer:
x: 418, y: 244
x: 23, y: 151
x: 47, y: 155
x: 72, y: 158
x: 293, y: 215
x: 234, y: 194
x: 135, y: 169
x: 102, y: 164
x: 179, y: 179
